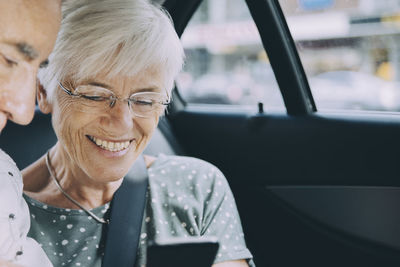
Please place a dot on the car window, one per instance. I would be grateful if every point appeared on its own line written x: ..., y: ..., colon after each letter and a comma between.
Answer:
x: 350, y: 50
x: 225, y: 60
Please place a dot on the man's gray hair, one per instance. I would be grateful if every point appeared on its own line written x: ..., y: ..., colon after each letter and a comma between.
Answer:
x: 116, y: 37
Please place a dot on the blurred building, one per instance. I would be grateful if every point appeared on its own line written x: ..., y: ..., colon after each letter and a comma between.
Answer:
x: 331, y: 35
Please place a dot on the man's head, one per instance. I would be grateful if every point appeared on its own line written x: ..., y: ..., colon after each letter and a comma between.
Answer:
x: 28, y: 30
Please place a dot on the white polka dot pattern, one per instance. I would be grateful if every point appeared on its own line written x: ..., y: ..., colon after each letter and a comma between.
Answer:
x: 186, y: 197
x: 190, y: 197
x: 69, y: 238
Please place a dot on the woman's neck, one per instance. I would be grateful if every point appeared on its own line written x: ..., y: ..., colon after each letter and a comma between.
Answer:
x: 40, y: 184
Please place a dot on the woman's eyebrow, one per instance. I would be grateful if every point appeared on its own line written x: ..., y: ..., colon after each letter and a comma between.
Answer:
x: 136, y: 90
x: 147, y: 89
x: 99, y: 84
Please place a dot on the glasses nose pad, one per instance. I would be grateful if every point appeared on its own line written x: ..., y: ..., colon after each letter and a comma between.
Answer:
x: 130, y: 107
x: 112, y: 102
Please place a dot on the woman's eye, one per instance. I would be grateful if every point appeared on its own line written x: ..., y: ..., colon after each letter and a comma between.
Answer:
x: 95, y: 97
x: 143, y: 102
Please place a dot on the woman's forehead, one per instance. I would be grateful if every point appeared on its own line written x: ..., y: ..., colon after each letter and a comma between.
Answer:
x: 148, y: 80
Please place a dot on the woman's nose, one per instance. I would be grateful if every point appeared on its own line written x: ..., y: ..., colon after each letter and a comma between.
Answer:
x: 121, y: 114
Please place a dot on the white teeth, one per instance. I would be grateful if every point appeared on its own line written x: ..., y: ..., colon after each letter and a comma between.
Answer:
x: 110, y: 146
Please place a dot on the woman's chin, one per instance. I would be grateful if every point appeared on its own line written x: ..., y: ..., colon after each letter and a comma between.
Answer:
x: 109, y: 166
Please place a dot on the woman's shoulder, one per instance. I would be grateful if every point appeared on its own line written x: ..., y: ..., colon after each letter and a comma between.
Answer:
x: 180, y: 173
x: 181, y: 165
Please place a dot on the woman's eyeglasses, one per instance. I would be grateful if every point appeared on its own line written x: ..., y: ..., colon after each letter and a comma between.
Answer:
x: 96, y: 99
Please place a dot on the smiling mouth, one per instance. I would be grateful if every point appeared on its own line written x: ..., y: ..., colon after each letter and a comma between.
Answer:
x: 109, y: 145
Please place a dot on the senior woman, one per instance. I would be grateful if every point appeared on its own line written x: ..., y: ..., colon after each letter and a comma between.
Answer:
x: 107, y: 83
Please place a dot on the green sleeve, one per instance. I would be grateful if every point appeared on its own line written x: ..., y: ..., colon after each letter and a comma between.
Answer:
x: 221, y: 219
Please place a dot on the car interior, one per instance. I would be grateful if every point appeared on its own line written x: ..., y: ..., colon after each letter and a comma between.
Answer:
x: 313, y: 188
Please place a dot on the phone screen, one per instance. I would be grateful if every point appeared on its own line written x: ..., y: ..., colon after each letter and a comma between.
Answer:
x: 187, y: 252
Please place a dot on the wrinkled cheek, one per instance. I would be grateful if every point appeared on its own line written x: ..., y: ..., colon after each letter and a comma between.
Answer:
x: 66, y: 125
x: 147, y: 128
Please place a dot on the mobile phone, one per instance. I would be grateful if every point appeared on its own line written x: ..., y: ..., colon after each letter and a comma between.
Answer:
x: 182, y: 252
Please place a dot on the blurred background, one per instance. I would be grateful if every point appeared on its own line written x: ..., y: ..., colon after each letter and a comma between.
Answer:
x: 350, y: 50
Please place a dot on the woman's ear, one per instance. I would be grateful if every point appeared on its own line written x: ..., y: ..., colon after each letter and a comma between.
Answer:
x: 43, y: 102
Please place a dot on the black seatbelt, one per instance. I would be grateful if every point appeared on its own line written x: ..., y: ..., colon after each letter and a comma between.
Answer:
x: 127, y: 208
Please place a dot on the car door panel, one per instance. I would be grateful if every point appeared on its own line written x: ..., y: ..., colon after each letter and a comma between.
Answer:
x: 280, y: 235
x: 346, y: 209
x: 282, y: 149
x: 323, y: 183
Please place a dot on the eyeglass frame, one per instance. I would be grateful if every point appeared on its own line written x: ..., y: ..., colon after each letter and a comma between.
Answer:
x: 114, y: 98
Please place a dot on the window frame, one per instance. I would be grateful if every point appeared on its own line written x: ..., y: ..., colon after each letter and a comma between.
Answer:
x: 277, y: 42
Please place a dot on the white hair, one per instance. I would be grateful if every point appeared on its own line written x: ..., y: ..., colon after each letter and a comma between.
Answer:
x: 117, y: 37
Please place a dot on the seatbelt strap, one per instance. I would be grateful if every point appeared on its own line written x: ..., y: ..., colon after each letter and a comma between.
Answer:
x: 127, y: 208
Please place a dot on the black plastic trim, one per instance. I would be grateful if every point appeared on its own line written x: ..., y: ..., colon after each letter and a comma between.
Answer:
x: 283, y: 55
x: 181, y: 12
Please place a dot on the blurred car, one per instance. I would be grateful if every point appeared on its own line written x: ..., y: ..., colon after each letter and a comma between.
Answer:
x: 354, y: 91
x: 232, y: 89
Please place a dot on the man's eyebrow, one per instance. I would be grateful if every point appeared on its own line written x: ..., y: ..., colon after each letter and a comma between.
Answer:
x: 27, y: 50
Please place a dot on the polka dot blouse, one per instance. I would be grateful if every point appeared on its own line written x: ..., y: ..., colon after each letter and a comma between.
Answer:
x: 186, y: 197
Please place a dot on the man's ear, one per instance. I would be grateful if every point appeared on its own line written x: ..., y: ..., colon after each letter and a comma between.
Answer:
x: 43, y: 102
